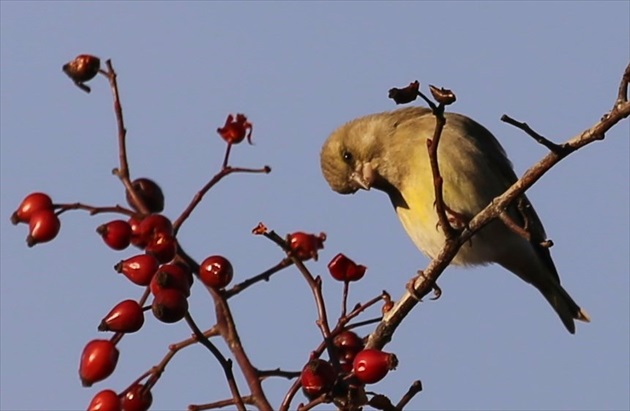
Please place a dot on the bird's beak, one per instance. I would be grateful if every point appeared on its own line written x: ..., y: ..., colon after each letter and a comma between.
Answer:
x: 363, y: 176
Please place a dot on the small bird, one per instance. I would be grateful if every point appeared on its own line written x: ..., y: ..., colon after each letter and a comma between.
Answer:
x: 388, y: 152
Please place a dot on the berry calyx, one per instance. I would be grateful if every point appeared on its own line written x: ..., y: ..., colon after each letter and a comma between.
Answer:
x: 127, y: 317
x: 43, y: 226
x: 317, y: 378
x: 116, y: 234
x: 98, y: 361
x: 216, y: 272
x: 31, y: 203
x: 236, y: 129
x: 342, y: 268
x: 139, y: 269
x: 304, y: 246
x: 370, y: 366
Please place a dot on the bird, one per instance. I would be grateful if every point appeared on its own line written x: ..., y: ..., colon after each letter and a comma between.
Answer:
x: 388, y: 152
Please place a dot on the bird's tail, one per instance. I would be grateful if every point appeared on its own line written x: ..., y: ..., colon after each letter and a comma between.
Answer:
x: 563, y: 304
x: 541, y: 273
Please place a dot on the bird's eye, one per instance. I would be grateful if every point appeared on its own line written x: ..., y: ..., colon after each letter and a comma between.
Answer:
x: 347, y: 156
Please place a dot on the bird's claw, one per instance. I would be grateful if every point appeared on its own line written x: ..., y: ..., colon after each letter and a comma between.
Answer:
x: 437, y: 291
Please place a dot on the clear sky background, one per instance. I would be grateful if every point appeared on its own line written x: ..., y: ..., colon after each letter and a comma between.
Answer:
x: 298, y: 70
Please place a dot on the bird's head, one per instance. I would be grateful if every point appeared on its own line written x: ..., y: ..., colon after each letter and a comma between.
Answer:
x: 350, y: 156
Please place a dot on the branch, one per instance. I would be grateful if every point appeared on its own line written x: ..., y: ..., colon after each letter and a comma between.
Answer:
x: 123, y: 169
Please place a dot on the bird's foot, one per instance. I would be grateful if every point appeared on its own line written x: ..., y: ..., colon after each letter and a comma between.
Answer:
x: 457, y: 220
x: 437, y: 291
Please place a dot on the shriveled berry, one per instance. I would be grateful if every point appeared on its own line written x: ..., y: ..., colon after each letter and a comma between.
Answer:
x: 116, y: 234
x: 150, y: 193
x: 216, y: 271
x: 342, y: 268
x: 163, y: 247
x: 136, y: 399
x: 173, y: 275
x: 304, y: 246
x: 370, y: 366
x: 83, y: 68
x: 31, y: 203
x: 98, y: 361
x: 106, y: 400
x: 127, y: 317
x: 43, y: 226
x: 140, y: 268
x: 169, y: 305
x: 317, y: 378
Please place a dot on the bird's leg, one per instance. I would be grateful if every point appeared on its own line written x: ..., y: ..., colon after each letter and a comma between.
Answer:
x: 458, y: 221
x: 437, y: 291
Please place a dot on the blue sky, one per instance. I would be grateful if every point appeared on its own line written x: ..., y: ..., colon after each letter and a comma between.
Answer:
x: 298, y: 70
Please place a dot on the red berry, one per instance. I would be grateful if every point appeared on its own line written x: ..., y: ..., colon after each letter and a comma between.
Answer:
x: 216, y: 272
x: 304, y: 246
x: 140, y: 268
x: 127, y: 317
x: 235, y: 130
x: 344, y: 269
x: 169, y: 305
x: 317, y: 378
x: 98, y: 361
x: 348, y: 344
x: 136, y: 238
x: 150, y: 193
x: 163, y: 247
x: 116, y: 234
x: 43, y: 226
x: 371, y: 365
x: 175, y: 276
x: 154, y: 224
x: 31, y: 203
x: 83, y: 68
x: 136, y: 399
x: 106, y: 400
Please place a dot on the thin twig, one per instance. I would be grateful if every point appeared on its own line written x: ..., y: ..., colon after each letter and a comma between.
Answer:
x: 248, y: 399
x: 218, y: 177
x: 414, y: 389
x: 263, y: 374
x: 123, y: 169
x: 93, y: 210
x: 264, y: 276
x: 225, y: 363
x: 533, y: 134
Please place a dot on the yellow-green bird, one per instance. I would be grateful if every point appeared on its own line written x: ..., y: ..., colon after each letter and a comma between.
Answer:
x: 388, y: 152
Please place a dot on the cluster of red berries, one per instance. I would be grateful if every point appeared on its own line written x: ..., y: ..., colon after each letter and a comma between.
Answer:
x: 37, y: 210
x: 168, y: 279
x: 357, y: 365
